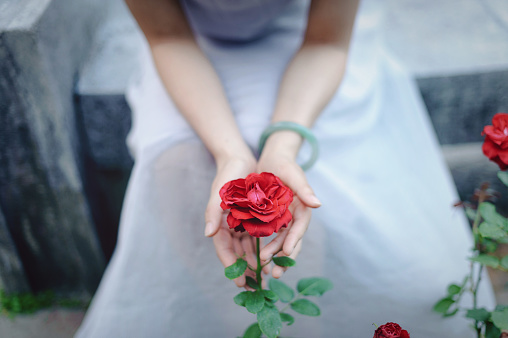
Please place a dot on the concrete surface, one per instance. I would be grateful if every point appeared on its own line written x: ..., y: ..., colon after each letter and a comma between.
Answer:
x: 53, y: 323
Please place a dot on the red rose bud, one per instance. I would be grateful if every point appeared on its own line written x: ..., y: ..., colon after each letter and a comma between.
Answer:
x: 391, y: 330
x: 259, y: 204
x: 495, y: 146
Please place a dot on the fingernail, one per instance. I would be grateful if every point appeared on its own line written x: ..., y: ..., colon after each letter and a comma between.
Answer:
x: 314, y: 200
x: 208, y: 229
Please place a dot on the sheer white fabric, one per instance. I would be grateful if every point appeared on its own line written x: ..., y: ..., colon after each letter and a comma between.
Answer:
x: 386, y: 235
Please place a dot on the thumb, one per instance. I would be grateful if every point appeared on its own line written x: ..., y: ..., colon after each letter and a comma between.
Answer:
x: 213, y: 215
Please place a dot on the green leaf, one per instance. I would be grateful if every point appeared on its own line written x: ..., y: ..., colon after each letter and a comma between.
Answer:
x: 305, y: 307
x: 489, y: 213
x: 501, y: 307
x: 490, y: 245
x: 504, y: 262
x: 491, y: 331
x: 287, y: 318
x: 487, y: 260
x: 443, y: 305
x: 270, y: 295
x: 500, y: 319
x: 284, y: 292
x: 241, y: 298
x: 470, y: 213
x: 269, y: 321
x: 503, y: 176
x: 315, y: 286
x: 453, y: 289
x: 236, y: 269
x: 255, y: 301
x: 489, y: 230
x: 450, y: 314
x: 284, y: 261
x: 252, y: 331
x: 478, y: 314
x: 252, y: 282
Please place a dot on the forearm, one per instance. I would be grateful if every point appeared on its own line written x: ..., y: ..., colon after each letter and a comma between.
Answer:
x: 196, y: 90
x: 310, y: 81
x: 188, y: 76
x: 316, y: 71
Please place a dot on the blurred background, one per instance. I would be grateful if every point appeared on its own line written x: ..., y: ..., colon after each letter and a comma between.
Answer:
x: 64, y: 166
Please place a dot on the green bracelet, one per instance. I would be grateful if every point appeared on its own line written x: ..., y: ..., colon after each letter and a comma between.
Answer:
x: 305, y: 132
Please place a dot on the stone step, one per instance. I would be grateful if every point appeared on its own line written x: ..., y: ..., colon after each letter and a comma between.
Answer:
x: 470, y: 169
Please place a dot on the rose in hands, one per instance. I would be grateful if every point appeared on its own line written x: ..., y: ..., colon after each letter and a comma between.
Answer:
x: 259, y: 204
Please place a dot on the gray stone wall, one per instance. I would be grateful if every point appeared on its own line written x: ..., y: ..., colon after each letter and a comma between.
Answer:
x: 42, y: 45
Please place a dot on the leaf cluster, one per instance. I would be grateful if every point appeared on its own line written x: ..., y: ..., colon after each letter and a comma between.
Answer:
x: 262, y: 303
x: 489, y: 230
x: 269, y: 317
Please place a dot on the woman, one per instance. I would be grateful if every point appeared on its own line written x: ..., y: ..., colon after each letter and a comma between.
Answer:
x: 219, y: 73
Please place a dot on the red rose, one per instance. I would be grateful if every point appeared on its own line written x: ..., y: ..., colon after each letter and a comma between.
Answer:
x: 259, y: 204
x: 391, y: 330
x: 495, y: 146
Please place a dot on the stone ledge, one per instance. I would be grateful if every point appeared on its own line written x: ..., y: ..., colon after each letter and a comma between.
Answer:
x: 470, y: 168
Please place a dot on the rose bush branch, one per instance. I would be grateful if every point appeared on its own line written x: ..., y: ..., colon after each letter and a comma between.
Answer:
x: 489, y: 230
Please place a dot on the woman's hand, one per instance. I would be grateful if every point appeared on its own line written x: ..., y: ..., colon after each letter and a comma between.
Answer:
x: 278, y: 157
x: 229, y: 244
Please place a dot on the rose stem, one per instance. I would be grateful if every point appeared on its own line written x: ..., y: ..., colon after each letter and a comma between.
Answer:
x: 259, y: 267
x: 475, y: 304
x: 474, y: 287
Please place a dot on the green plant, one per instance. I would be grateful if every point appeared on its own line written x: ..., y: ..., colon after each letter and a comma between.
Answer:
x: 13, y: 304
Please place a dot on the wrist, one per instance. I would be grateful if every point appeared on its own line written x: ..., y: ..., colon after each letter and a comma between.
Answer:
x: 285, y: 143
x: 240, y: 155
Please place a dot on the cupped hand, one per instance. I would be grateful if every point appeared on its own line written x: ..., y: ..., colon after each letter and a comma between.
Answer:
x: 288, y: 241
x: 229, y: 245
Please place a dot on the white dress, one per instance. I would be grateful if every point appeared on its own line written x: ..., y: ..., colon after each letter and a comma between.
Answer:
x: 386, y: 235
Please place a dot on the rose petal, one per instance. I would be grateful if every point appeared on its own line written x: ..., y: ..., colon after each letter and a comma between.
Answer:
x: 283, y: 221
x: 287, y: 197
x: 500, y: 121
x: 489, y: 148
x: 256, y: 195
x: 241, y: 214
x: 257, y: 228
x: 232, y: 221
x: 265, y: 217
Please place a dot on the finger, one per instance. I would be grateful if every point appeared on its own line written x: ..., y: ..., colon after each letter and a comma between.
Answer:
x: 213, y: 214
x: 301, y: 216
x: 278, y: 271
x: 266, y: 268
x: 274, y: 246
x: 237, y: 246
x: 224, y: 248
x: 295, y: 178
